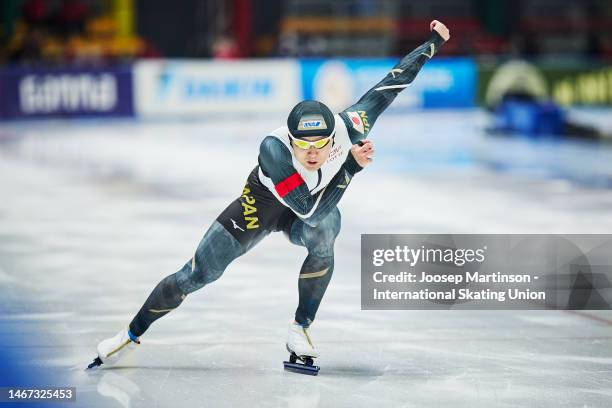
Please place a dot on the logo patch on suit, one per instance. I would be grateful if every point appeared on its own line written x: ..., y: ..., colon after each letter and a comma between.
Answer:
x: 356, y: 121
x: 249, y: 209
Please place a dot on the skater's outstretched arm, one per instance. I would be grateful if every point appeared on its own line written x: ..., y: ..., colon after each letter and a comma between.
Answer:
x: 276, y: 162
x: 360, y: 117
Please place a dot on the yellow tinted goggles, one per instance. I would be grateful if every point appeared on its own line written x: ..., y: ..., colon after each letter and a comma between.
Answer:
x: 305, y: 144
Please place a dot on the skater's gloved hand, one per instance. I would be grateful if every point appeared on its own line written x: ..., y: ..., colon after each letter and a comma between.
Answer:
x: 440, y: 28
x: 363, y: 152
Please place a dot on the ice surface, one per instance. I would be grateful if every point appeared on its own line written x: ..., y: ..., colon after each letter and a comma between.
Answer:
x: 94, y: 213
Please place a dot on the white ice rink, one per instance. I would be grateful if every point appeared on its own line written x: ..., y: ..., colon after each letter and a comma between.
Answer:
x: 93, y: 214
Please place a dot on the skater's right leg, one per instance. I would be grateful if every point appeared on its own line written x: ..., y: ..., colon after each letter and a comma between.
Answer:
x: 216, y: 250
x: 245, y: 222
x: 214, y: 253
x: 227, y: 238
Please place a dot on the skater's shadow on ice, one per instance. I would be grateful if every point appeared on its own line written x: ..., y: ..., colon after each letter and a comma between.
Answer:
x: 327, y: 371
x: 120, y: 388
x: 350, y: 371
x: 194, y: 368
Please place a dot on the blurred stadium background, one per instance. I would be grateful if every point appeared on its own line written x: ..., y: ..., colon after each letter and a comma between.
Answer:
x: 568, y: 45
x: 69, y: 31
x: 74, y: 58
x: 540, y: 69
x: 126, y: 126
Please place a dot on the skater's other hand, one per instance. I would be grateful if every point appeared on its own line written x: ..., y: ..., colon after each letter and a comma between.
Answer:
x: 440, y: 28
x: 363, y: 152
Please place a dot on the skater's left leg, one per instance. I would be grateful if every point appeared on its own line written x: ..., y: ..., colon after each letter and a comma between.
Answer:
x: 317, y: 269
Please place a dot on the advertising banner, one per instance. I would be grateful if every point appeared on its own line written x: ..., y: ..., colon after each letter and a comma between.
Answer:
x: 65, y: 92
x: 442, y: 83
x: 164, y: 88
x: 580, y: 83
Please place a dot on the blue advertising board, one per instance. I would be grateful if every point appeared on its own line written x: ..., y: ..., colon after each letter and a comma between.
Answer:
x: 442, y: 83
x: 71, y: 91
x: 170, y: 87
x: 165, y: 88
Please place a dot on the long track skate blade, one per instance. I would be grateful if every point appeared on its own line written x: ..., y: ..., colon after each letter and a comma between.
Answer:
x: 96, y: 363
x: 301, y: 368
